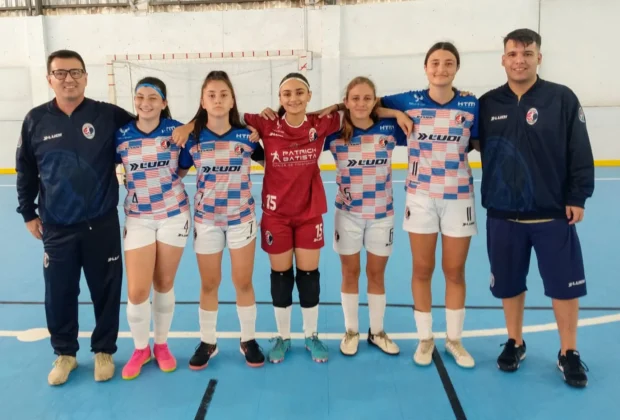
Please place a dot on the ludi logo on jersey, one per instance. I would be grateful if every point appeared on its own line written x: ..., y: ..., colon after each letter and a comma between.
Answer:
x: 149, y: 165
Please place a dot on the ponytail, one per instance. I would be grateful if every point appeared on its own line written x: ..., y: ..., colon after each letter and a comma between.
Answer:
x: 200, y: 121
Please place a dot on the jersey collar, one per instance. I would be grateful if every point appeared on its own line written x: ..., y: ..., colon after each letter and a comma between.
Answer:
x: 283, y: 120
x: 535, y: 87
x: 437, y: 104
x: 53, y: 106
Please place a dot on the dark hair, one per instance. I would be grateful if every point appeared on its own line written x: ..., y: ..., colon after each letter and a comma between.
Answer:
x: 347, y: 125
x: 202, y: 117
x: 523, y: 36
x: 281, y: 110
x: 64, y: 54
x: 165, y: 113
x: 447, y: 46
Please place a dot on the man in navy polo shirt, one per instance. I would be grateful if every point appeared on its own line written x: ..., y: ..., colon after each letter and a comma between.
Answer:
x: 538, y: 171
x: 66, y: 157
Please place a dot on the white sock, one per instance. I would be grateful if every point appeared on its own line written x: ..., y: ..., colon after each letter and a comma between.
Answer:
x: 163, y: 309
x: 283, y: 321
x: 376, y: 311
x: 350, y: 307
x: 311, y: 320
x: 247, y: 321
x: 455, y: 318
x: 208, y: 323
x: 424, y: 324
x: 139, y: 319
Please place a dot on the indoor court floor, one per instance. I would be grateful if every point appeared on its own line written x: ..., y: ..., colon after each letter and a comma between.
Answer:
x: 370, y: 385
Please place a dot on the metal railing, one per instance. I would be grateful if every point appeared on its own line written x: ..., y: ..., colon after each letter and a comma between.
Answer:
x: 35, y: 7
x: 195, y: 2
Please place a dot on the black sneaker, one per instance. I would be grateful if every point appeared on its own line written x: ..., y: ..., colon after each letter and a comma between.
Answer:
x: 204, y: 352
x: 510, y: 359
x: 254, y: 356
x: 573, y: 368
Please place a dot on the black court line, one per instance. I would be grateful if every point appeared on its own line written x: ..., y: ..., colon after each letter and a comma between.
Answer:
x: 203, y: 408
x: 389, y: 305
x: 457, y: 408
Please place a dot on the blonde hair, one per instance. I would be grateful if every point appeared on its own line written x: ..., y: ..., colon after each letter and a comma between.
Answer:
x: 347, y: 126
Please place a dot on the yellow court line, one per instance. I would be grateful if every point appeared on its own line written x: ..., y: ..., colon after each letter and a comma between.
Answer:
x: 332, y: 167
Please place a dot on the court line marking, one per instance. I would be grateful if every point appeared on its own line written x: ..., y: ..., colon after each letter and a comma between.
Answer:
x: 448, y: 387
x: 398, y: 181
x: 203, y: 408
x: 37, y: 334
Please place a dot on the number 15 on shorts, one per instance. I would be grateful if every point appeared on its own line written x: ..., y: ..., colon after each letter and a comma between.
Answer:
x: 319, y: 232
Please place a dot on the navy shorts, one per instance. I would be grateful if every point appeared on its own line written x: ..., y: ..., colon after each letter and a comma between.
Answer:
x: 558, y: 251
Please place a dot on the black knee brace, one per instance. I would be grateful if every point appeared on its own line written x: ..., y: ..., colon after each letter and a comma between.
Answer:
x: 309, y: 287
x: 282, y: 283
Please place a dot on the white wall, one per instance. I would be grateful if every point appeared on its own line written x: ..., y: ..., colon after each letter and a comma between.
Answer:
x: 386, y: 41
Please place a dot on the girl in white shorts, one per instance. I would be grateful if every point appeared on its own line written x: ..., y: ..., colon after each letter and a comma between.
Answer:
x: 157, y: 223
x: 364, y: 209
x: 440, y: 195
x: 221, y: 151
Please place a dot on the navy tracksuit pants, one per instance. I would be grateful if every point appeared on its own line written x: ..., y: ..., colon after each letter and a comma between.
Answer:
x: 95, y: 248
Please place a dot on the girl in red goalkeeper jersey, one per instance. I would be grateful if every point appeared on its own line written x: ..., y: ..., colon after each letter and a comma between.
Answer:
x: 293, y: 206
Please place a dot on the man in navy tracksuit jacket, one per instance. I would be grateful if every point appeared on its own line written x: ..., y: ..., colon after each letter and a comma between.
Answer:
x: 538, y: 171
x: 66, y: 157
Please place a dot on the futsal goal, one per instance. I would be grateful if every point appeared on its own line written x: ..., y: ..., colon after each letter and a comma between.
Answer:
x: 255, y: 75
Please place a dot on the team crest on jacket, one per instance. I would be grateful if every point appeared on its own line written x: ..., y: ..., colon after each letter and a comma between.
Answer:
x: 88, y: 130
x: 459, y: 119
x: 238, y: 150
x: 582, y: 116
x: 165, y: 143
x: 383, y: 141
x: 312, y: 135
x: 532, y: 116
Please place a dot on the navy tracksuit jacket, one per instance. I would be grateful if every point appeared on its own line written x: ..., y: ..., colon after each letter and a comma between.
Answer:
x: 68, y: 161
x: 536, y: 153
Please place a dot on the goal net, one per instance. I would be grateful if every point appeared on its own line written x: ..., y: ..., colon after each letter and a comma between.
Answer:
x: 255, y: 75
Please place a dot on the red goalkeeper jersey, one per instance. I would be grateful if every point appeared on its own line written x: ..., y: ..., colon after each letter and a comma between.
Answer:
x: 292, y: 186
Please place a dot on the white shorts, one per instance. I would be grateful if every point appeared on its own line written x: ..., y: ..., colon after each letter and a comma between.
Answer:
x: 376, y: 235
x: 142, y: 232
x: 455, y: 218
x: 209, y: 239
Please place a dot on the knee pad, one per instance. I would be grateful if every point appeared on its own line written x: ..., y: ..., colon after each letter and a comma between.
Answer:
x: 282, y: 284
x: 309, y: 287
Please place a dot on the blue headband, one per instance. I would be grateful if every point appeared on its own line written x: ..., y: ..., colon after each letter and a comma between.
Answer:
x: 158, y: 90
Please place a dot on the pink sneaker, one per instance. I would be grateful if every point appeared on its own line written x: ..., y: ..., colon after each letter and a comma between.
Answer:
x: 164, y: 358
x: 134, y: 365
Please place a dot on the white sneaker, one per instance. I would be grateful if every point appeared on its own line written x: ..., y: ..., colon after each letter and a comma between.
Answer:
x: 461, y: 356
x: 384, y: 342
x: 424, y: 352
x: 349, y: 343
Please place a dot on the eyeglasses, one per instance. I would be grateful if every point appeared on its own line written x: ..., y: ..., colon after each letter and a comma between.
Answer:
x: 62, y: 74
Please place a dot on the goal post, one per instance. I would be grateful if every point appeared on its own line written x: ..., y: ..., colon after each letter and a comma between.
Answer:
x: 255, y: 76
x: 205, y: 61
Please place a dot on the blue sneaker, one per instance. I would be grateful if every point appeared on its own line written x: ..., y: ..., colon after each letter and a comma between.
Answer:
x: 277, y: 352
x: 317, y: 348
